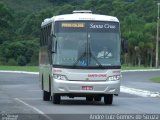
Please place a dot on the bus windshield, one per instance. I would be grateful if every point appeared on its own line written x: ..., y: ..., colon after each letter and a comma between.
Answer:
x: 87, y: 44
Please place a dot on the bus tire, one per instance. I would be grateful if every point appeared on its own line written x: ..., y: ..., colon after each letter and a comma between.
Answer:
x: 46, y: 95
x: 56, y: 99
x: 97, y: 99
x: 89, y: 98
x: 108, y: 99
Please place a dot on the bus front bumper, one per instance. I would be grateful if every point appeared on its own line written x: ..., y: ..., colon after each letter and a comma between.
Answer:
x: 76, y: 87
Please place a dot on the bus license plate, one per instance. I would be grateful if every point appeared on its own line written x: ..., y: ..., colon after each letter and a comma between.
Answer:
x: 87, y: 87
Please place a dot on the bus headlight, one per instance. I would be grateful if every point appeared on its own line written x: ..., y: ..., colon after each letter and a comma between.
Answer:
x: 114, y: 78
x: 59, y: 77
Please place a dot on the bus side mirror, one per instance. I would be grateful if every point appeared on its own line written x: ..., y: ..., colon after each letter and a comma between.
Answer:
x: 125, y: 46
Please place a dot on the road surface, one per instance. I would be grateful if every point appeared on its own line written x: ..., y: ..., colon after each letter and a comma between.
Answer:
x: 20, y: 93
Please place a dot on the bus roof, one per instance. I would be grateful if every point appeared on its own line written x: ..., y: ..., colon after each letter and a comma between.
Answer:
x: 80, y: 16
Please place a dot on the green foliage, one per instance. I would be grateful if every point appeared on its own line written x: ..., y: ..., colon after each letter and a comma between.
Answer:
x: 5, y: 17
x: 58, y: 2
x: 20, y: 26
x: 27, y: 5
x: 12, y: 62
x: 21, y: 60
x: 6, y: 21
x: 19, y: 48
x: 155, y: 79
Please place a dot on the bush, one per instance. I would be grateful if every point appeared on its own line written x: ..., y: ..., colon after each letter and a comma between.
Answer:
x: 12, y: 62
x: 2, y: 61
x: 21, y: 60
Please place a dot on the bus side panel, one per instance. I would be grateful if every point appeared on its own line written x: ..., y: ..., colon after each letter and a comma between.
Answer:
x: 44, y: 69
x: 45, y: 57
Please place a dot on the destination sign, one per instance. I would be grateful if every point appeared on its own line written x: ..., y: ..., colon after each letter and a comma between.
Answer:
x: 86, y: 26
x: 73, y: 25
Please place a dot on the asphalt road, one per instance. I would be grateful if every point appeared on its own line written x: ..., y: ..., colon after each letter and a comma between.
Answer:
x: 141, y: 80
x: 20, y: 93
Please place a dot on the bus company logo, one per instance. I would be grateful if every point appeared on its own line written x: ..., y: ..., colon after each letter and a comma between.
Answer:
x: 96, y: 75
x: 73, y: 25
x: 101, y: 26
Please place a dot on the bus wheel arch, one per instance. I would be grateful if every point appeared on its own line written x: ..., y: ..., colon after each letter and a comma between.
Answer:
x: 49, y: 83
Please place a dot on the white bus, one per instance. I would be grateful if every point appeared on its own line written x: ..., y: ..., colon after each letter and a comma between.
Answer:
x: 80, y: 57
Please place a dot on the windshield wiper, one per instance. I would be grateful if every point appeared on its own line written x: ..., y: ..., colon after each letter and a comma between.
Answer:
x: 80, y: 57
x: 100, y: 65
x: 90, y: 54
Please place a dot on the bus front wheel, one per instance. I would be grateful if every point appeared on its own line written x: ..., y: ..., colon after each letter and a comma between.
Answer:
x: 46, y: 95
x: 56, y: 99
x: 108, y: 99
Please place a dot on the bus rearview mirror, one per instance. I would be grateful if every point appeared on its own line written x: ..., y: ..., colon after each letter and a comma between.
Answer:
x: 50, y: 43
x: 125, y: 46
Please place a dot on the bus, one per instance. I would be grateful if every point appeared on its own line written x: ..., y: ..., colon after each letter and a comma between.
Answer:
x: 80, y: 57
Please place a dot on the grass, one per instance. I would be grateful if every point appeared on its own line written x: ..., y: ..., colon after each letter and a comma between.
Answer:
x: 131, y: 67
x: 135, y: 68
x: 36, y: 68
x: 20, y: 68
x: 156, y: 79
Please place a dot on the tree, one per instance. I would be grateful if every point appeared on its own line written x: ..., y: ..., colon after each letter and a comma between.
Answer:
x: 20, y: 30
x: 21, y: 60
x: 6, y: 20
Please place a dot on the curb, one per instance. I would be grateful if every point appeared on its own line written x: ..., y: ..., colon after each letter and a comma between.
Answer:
x: 24, y: 72
x: 141, y: 70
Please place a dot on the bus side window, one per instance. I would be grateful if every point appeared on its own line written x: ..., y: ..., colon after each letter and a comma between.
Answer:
x: 41, y: 37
